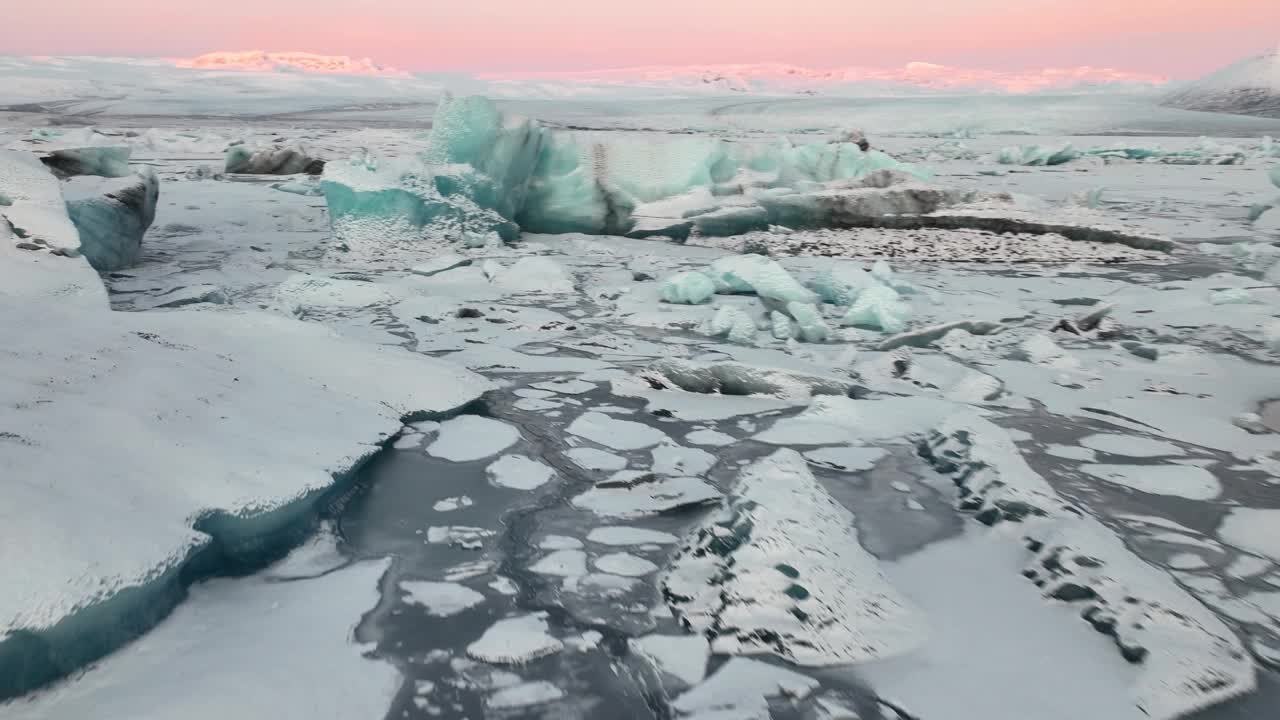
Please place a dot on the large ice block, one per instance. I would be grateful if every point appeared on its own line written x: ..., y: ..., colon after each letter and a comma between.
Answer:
x: 33, y: 207
x: 103, y: 160
x: 502, y: 151
x: 566, y: 194
x: 112, y: 216
x: 760, y: 275
x: 687, y: 288
x: 277, y: 160
x: 401, y: 199
x: 1037, y: 155
x: 879, y: 308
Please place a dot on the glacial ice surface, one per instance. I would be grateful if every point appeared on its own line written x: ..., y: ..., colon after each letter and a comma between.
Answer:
x: 112, y: 217
x: 780, y: 570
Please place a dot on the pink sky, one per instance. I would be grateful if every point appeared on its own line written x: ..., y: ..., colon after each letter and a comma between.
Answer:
x: 1179, y: 38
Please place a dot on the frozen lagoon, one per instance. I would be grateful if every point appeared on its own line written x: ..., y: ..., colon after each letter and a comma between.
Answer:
x: 1155, y: 370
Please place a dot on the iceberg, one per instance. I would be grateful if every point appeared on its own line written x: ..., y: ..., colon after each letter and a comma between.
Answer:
x: 687, y: 288
x: 33, y: 209
x: 568, y: 195
x: 757, y: 274
x: 779, y: 570
x: 1037, y: 155
x: 373, y: 200
x: 485, y: 172
x: 729, y: 221
x: 275, y: 160
x: 841, y: 285
x: 813, y: 328
x: 879, y: 308
x: 298, y: 187
x: 497, y: 153
x: 733, y: 323
x: 103, y: 160
x: 112, y: 216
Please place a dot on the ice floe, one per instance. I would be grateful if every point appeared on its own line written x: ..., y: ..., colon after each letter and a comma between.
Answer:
x: 780, y: 570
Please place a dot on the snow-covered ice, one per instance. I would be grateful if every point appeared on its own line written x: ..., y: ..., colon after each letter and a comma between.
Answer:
x: 681, y: 656
x: 250, y: 648
x: 515, y: 641
x: 783, y: 562
x: 518, y: 472
x: 471, y: 437
x: 614, y: 433
x: 1186, y: 481
x: 441, y: 599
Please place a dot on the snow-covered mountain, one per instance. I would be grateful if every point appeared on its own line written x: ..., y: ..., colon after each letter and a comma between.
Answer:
x: 264, y: 61
x: 1248, y: 87
x: 777, y: 78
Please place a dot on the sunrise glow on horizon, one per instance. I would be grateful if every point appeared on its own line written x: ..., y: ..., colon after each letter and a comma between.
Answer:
x: 1180, y: 39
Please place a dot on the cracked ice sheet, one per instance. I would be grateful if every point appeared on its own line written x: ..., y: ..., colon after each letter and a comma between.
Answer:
x: 239, y: 648
x: 780, y: 570
x: 987, y: 621
x: 209, y: 387
x: 614, y: 433
x: 1200, y: 414
x: 435, y: 324
x: 1254, y: 529
x: 834, y: 420
x: 698, y: 407
x: 681, y: 656
x: 1185, y: 481
x: 740, y: 689
x: 1190, y: 658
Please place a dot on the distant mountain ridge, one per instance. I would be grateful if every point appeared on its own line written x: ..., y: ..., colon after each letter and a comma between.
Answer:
x: 784, y: 78
x: 1248, y: 87
x: 265, y: 61
x: 770, y: 78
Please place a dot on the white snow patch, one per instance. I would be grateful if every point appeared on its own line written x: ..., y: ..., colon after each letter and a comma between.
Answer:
x: 624, y: 535
x: 988, y: 619
x: 846, y: 459
x: 593, y: 459
x: 646, y: 498
x: 1254, y: 529
x: 441, y: 599
x: 563, y: 563
x: 1130, y: 446
x: 834, y: 420
x: 535, y: 275
x: 518, y: 472
x: 624, y: 564
x: 471, y: 437
x: 709, y: 438
x: 1071, y: 452
x: 683, y: 657
x: 537, y: 692
x: 1193, y: 483
x: 560, y: 542
x: 239, y: 648
x: 740, y: 689
x: 515, y: 640
x: 614, y: 433
x: 450, y: 504
x: 672, y: 459
x: 566, y: 387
